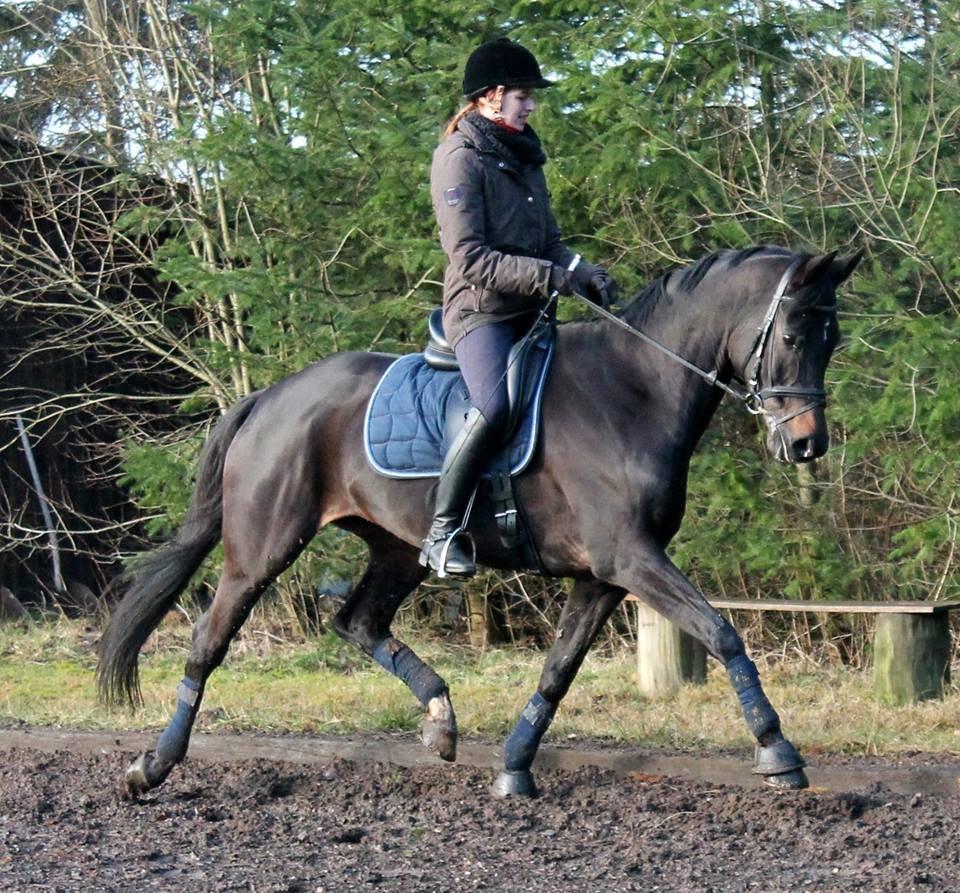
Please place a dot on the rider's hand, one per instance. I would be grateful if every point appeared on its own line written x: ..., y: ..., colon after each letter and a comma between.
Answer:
x: 561, y: 280
x: 603, y: 289
x: 596, y: 284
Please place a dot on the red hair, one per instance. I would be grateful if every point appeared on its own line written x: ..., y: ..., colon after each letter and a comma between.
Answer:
x: 453, y: 123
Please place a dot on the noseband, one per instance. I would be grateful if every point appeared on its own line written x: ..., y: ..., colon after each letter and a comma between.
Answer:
x: 755, y: 395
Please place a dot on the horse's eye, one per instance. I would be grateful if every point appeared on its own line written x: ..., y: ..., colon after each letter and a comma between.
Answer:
x: 789, y: 339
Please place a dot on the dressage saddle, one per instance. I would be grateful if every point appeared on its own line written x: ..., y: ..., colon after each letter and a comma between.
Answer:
x: 524, y: 368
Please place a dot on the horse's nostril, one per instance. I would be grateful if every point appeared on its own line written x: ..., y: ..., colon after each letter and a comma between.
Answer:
x: 804, y: 448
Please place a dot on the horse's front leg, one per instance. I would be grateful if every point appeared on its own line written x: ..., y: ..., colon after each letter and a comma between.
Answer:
x: 589, y: 606
x: 651, y: 575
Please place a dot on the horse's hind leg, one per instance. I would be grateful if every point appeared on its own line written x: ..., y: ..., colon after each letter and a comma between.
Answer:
x: 392, y: 574
x: 590, y: 604
x: 252, y: 561
x: 212, y: 634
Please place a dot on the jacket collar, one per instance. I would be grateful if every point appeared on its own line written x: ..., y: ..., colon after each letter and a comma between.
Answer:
x: 519, y: 150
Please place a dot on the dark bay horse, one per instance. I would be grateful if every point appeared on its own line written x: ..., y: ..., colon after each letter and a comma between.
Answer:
x: 603, y: 497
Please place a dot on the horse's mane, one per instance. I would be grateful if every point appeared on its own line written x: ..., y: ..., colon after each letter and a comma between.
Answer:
x: 683, y: 281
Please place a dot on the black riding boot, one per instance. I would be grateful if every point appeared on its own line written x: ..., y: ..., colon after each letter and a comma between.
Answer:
x: 447, y: 549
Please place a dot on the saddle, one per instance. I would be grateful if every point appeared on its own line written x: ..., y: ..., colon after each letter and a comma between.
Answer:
x: 525, y: 366
x: 421, y: 402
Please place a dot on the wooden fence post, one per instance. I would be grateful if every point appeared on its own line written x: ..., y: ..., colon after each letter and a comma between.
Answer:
x: 666, y: 656
x: 911, y: 657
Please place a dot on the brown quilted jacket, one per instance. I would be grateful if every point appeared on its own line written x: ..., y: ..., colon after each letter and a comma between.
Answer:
x: 497, y: 229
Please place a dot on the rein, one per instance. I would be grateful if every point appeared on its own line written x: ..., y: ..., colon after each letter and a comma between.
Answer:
x: 754, y: 395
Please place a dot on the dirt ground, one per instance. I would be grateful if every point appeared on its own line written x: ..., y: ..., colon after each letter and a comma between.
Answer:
x: 257, y: 825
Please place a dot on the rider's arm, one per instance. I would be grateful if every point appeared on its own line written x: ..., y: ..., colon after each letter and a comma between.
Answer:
x: 456, y: 187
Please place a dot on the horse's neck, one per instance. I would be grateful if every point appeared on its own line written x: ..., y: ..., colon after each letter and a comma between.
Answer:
x: 699, y: 335
x: 693, y: 325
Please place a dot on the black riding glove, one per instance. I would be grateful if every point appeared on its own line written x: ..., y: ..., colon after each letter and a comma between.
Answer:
x: 604, y: 289
x: 561, y: 280
x: 596, y: 284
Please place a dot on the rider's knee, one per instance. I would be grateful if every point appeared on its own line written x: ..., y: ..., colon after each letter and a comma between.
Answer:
x: 496, y: 414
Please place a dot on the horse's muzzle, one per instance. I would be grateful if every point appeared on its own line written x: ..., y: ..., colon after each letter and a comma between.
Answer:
x: 801, y: 439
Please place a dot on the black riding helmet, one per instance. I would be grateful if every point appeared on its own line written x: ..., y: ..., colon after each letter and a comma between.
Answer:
x: 499, y: 62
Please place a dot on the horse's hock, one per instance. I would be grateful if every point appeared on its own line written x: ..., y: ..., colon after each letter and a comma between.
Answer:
x: 911, y: 645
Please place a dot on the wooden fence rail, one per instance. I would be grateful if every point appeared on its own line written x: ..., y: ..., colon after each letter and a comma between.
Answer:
x: 911, y: 645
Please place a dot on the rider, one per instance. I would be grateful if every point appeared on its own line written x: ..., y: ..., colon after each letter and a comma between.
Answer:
x: 505, y: 260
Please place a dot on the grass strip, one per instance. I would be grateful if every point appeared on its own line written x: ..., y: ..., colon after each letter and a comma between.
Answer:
x: 271, y: 685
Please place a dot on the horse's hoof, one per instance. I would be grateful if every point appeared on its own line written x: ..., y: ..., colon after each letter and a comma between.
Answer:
x: 796, y: 780
x: 515, y: 783
x: 778, y: 758
x: 136, y: 776
x: 142, y: 774
x: 439, y: 729
x: 441, y: 740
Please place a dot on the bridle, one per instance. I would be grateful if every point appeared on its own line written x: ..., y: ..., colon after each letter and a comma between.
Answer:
x: 755, y: 395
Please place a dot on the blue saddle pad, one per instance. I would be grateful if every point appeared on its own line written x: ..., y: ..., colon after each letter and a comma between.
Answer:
x: 405, y: 430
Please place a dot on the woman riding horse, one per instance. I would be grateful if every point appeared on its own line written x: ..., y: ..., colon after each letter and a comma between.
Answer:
x: 506, y: 259
x: 604, y: 495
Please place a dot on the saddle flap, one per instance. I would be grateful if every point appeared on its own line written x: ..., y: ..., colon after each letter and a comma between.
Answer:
x: 525, y: 368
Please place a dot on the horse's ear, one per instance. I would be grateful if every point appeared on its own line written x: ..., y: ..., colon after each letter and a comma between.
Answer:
x: 812, y: 270
x: 842, y: 267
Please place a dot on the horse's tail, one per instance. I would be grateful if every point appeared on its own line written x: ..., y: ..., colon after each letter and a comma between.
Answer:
x: 158, y: 578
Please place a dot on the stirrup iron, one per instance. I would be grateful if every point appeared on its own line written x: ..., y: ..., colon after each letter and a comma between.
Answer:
x: 448, y: 541
x: 442, y: 570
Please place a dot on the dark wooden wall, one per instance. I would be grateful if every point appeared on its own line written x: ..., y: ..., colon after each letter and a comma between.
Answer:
x: 60, y: 253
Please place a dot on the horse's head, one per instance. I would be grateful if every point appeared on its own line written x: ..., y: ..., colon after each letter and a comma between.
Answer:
x: 787, y: 355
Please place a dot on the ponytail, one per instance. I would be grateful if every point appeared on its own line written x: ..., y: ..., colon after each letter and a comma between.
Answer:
x: 454, y: 122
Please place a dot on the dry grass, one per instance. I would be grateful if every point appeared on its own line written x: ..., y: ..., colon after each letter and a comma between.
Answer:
x: 323, y: 685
